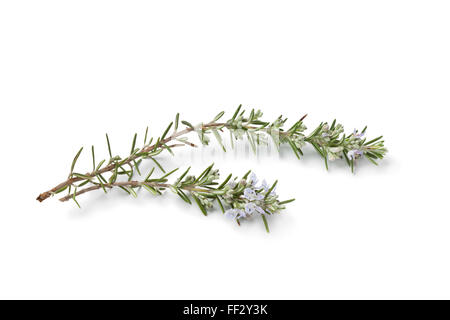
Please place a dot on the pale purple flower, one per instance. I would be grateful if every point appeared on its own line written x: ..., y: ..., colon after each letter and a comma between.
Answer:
x: 232, y: 184
x: 250, y: 208
x: 253, y: 180
x: 357, y: 135
x: 242, y: 214
x: 233, y: 213
x: 264, y: 186
x: 353, y: 154
x: 260, y: 210
x: 251, y: 195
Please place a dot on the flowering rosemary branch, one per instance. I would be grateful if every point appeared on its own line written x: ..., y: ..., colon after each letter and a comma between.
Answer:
x: 242, y: 198
x: 328, y: 140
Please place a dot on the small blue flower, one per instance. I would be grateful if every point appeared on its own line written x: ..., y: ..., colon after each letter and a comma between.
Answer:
x: 260, y: 210
x: 232, y: 213
x: 264, y: 186
x: 232, y: 184
x: 250, y: 208
x: 353, y: 154
x: 249, y: 194
x: 253, y: 180
x: 357, y: 135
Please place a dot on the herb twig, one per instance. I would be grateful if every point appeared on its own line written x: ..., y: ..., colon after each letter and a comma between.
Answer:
x: 242, y: 198
x: 328, y: 140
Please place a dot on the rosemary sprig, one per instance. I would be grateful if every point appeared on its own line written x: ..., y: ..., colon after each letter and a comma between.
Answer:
x: 242, y: 198
x: 328, y: 140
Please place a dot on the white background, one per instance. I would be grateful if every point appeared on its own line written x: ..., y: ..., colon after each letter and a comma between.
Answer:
x: 72, y: 70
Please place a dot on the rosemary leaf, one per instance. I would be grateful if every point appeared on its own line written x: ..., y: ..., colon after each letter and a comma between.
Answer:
x: 109, y: 146
x: 75, y: 161
x: 93, y: 158
x: 200, y: 205
x: 133, y: 145
x: 166, y: 131
x: 266, y: 225
x: 177, y: 117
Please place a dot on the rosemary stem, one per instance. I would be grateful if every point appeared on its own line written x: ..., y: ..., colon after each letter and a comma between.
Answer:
x: 131, y: 184
x: 45, y: 195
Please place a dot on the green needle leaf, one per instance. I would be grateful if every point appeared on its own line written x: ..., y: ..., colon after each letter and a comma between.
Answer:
x: 177, y: 117
x: 271, y: 189
x: 83, y: 183
x: 200, y: 205
x: 169, y: 149
x: 167, y: 130
x: 287, y: 201
x: 101, y: 183
x: 75, y: 161
x: 149, y: 174
x: 218, y: 116
x: 133, y: 145
x: 252, y: 142
x: 150, y: 189
x: 145, y: 137
x: 168, y: 174
x: 204, y: 173
x: 333, y: 124
x: 371, y: 160
x: 225, y: 182
x: 61, y: 190
x: 231, y: 139
x: 156, y: 144
x: 187, y: 124
x: 102, y: 178
x: 266, y: 225
x: 132, y: 192
x: 113, y: 177
x: 93, y: 158
x: 236, y: 112
x: 294, y: 148
x: 183, y: 196
x: 246, y: 175
x: 185, y: 173
x: 73, y: 197
x: 136, y: 165
x: 220, y: 204
x: 125, y: 189
x: 373, y: 140
x: 317, y: 149
x: 346, y: 157
x: 364, y: 130
x: 158, y: 164
x: 109, y: 146
x: 81, y: 176
x: 219, y: 139
x: 99, y: 165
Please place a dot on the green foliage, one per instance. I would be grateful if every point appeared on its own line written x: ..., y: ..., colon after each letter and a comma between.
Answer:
x: 231, y: 195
